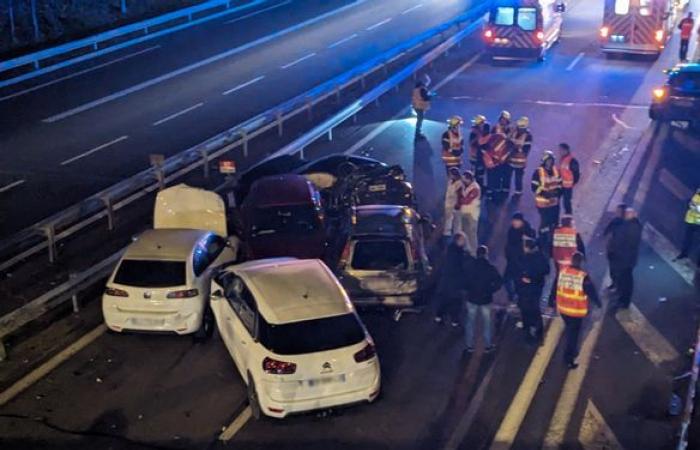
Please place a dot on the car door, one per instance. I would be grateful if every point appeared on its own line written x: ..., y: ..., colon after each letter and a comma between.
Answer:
x: 221, y: 287
x: 238, y: 322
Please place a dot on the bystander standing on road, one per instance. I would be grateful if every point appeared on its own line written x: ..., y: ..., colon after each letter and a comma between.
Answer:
x: 452, y: 281
x: 469, y: 201
x: 420, y: 100
x: 546, y: 185
x: 686, y: 26
x: 484, y: 282
x: 623, y: 254
x: 517, y: 232
x: 609, y: 232
x: 570, y: 175
x: 692, y: 226
x: 521, y: 143
x: 532, y: 268
x: 451, y: 221
x: 575, y: 291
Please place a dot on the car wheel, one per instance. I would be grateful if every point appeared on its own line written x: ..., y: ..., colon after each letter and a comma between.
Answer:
x: 253, y: 402
x: 206, y: 329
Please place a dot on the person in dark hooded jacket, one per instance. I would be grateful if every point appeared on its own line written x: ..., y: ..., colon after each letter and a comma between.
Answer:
x: 623, y: 253
x: 484, y: 282
x: 452, y: 280
x: 518, y: 231
x: 534, y: 268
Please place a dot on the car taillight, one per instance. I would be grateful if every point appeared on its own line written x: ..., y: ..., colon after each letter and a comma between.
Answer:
x: 659, y: 36
x: 366, y: 353
x: 604, y: 32
x: 488, y: 34
x: 540, y: 36
x: 189, y: 293
x: 659, y: 94
x: 114, y: 292
x: 278, y: 367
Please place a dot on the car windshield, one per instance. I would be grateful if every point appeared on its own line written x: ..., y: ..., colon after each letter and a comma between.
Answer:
x: 311, y: 336
x: 151, y: 273
x: 686, y: 82
x: 301, y: 219
x: 527, y: 18
x: 380, y: 255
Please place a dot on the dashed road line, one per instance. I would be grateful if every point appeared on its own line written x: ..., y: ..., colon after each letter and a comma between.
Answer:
x: 297, y: 61
x: 12, y: 185
x: 35, y: 375
x: 674, y: 185
x: 248, y: 16
x: 178, y: 114
x: 652, y: 343
x: 243, y: 85
x: 379, y: 24
x: 94, y: 150
x: 667, y: 251
x: 342, y: 41
x: 78, y: 73
x: 238, y: 423
x: 595, y: 433
x: 571, y: 66
x: 412, y: 8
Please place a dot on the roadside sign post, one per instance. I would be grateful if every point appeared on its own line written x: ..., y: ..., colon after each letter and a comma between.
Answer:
x: 227, y: 168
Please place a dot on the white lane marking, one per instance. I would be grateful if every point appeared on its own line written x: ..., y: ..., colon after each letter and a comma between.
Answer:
x: 248, y: 16
x: 386, y: 124
x: 342, y: 41
x: 297, y: 61
x: 674, y: 185
x: 243, y: 85
x: 650, y: 166
x: 379, y: 24
x: 78, y: 73
x: 7, y: 187
x: 571, y: 66
x: 197, y: 65
x: 650, y: 341
x: 620, y: 122
x: 41, y: 371
x: 412, y: 8
x: 551, y: 103
x: 178, y: 114
x: 667, y: 251
x: 236, y: 425
x: 526, y: 392
x: 94, y: 150
x: 595, y: 433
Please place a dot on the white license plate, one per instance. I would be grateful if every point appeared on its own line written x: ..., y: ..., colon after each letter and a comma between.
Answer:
x: 377, y: 187
x: 148, y: 322
x: 327, y: 380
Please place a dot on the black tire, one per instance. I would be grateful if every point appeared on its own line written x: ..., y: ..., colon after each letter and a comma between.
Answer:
x: 253, y: 402
x: 206, y: 329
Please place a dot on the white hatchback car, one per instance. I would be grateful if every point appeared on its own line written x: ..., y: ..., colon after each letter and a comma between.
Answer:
x: 162, y: 281
x: 294, y: 336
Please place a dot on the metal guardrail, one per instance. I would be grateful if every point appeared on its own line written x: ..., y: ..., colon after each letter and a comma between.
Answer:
x: 109, y: 41
x: 46, y: 233
x: 690, y: 396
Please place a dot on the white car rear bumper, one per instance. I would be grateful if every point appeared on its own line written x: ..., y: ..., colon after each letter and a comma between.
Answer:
x: 183, y: 320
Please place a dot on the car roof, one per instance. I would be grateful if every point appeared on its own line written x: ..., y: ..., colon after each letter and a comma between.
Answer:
x: 290, y: 290
x: 686, y: 67
x: 165, y: 244
x: 279, y: 190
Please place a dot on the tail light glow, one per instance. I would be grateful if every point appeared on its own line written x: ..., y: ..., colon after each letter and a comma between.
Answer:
x: 488, y: 34
x: 114, y: 292
x: 189, y: 293
x: 276, y: 367
x: 659, y: 36
x: 604, y: 32
x: 367, y: 353
x: 540, y: 36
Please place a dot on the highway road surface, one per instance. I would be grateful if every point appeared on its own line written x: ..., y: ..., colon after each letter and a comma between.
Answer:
x: 72, y: 133
x: 144, y: 392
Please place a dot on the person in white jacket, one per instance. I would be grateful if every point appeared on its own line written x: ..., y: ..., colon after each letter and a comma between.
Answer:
x: 452, y: 221
x: 469, y: 201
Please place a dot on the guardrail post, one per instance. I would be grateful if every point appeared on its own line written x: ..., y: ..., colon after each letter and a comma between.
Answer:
x: 362, y: 82
x: 330, y: 134
x: 309, y: 110
x: 74, y: 297
x: 50, y: 233
x: 160, y: 176
x: 337, y: 94
x: 110, y: 212
x: 244, y: 137
x: 280, y: 130
x: 385, y: 69
x: 205, y: 162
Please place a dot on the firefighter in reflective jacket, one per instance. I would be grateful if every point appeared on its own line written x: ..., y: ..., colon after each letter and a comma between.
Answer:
x: 495, y: 155
x: 565, y: 242
x: 478, y: 138
x: 453, y: 143
x: 520, y: 142
x: 692, y: 225
x: 503, y: 124
x: 570, y: 174
x: 546, y: 185
x: 575, y: 291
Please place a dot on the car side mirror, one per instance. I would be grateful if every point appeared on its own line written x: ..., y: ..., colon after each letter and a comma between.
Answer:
x: 217, y: 295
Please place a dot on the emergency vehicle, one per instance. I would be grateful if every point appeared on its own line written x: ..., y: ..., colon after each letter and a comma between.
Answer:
x: 523, y: 29
x: 638, y: 26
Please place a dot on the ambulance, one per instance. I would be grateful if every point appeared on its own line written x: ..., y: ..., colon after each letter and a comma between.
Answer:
x: 523, y: 29
x: 638, y: 26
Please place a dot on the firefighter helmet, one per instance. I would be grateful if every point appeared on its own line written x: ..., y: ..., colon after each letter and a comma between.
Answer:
x: 478, y: 120
x: 455, y: 121
x: 523, y: 122
x: 504, y: 115
x: 548, y: 154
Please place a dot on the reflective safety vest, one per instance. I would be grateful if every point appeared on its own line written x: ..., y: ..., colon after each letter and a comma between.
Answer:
x: 417, y: 100
x: 567, y: 176
x: 452, y: 156
x: 548, y: 183
x: 478, y: 138
x: 564, y: 245
x: 686, y: 27
x: 518, y: 157
x: 572, y: 300
x: 496, y: 152
x: 693, y: 215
